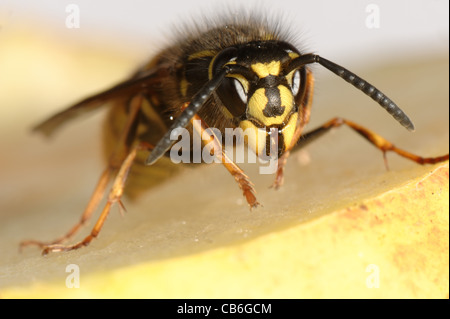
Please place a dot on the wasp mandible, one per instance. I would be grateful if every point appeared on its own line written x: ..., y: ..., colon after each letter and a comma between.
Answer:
x: 237, y: 73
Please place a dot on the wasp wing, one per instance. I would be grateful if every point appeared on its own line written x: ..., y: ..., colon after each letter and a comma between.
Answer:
x: 143, y: 82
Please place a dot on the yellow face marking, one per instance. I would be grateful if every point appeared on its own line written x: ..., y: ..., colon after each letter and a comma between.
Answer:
x: 258, y: 101
x: 287, y: 100
x: 293, y: 55
x: 265, y: 69
x: 256, y: 105
x: 254, y: 136
x: 289, y: 130
x: 202, y: 54
x: 289, y: 77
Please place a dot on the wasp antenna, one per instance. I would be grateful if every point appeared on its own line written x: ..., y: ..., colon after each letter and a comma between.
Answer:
x: 369, y: 90
x: 195, y: 105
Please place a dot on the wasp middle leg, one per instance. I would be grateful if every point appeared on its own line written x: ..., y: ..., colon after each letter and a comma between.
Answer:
x: 375, y: 139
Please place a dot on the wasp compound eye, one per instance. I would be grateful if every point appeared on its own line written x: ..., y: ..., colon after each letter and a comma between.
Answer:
x: 233, y: 95
x: 295, y: 86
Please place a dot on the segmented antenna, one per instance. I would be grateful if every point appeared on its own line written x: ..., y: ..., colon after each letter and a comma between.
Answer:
x: 200, y: 98
x: 358, y: 83
x: 197, y: 102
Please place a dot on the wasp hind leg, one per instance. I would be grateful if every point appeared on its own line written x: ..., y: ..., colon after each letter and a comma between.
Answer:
x: 118, y: 165
x: 114, y: 196
x: 375, y: 139
x: 87, y: 214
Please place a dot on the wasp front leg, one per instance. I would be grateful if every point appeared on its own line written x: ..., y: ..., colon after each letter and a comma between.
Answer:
x: 279, y: 175
x: 240, y: 177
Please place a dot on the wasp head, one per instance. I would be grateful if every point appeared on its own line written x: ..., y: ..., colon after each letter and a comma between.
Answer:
x: 262, y: 93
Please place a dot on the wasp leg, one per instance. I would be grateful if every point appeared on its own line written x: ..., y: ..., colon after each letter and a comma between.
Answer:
x: 375, y: 139
x: 114, y: 197
x: 243, y: 181
x: 90, y: 208
x: 116, y: 160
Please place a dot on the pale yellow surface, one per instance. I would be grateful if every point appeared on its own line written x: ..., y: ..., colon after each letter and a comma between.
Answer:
x: 334, y: 219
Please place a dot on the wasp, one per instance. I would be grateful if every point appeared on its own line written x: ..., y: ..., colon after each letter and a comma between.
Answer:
x: 236, y: 73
